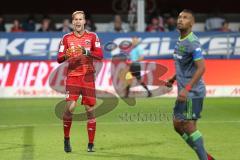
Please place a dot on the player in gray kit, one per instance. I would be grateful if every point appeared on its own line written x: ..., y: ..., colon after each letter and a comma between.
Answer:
x: 190, y: 66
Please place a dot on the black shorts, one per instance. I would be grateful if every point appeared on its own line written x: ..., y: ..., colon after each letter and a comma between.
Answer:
x: 189, y: 110
x: 135, y: 69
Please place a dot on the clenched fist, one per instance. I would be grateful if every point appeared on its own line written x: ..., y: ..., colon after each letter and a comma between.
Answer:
x: 74, y: 51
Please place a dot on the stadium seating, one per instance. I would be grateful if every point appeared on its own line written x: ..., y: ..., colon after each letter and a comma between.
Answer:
x: 101, y: 27
x: 102, y: 20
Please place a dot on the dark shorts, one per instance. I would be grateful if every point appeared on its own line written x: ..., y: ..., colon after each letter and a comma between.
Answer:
x: 189, y: 110
x: 81, y: 85
x: 135, y: 69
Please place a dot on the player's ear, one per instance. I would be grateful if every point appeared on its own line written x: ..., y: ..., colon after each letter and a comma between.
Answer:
x: 193, y: 21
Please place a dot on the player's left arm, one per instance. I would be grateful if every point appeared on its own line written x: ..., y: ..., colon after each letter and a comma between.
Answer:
x: 139, y: 51
x: 141, y: 56
x: 96, y: 50
x: 200, y: 67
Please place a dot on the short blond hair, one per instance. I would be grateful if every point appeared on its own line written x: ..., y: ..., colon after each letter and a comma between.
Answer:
x: 78, y: 12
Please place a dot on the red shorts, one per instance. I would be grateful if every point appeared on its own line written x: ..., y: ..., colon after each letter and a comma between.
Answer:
x: 81, y: 85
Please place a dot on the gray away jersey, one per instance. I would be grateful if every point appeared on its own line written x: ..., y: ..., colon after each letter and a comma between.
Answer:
x: 188, y: 50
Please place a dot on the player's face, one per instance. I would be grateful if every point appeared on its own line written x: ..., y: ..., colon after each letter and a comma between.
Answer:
x: 185, y: 21
x: 78, y: 22
x: 135, y: 41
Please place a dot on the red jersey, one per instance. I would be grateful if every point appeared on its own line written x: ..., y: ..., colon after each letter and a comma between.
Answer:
x: 83, y: 64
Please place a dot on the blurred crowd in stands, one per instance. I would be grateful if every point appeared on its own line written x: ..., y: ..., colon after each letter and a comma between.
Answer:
x: 154, y: 23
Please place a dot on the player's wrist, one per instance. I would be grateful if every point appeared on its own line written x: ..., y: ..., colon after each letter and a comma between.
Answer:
x: 171, y: 80
x: 188, y: 87
x: 86, y: 52
x: 66, y: 56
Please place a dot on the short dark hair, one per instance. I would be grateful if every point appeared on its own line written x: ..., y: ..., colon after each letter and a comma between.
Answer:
x: 190, y: 12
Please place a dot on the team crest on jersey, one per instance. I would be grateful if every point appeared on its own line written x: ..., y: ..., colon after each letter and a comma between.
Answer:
x: 87, y: 42
x: 182, y: 49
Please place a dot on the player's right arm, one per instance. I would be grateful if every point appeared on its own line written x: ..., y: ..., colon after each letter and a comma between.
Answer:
x: 61, y: 57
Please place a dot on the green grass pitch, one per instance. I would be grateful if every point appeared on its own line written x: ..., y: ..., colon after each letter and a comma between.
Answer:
x: 29, y: 130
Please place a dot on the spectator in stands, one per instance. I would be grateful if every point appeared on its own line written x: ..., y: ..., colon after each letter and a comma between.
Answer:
x: 156, y: 25
x: 47, y: 25
x: 2, y: 24
x: 29, y: 24
x: 225, y: 27
x: 90, y: 25
x: 66, y: 26
x: 117, y: 25
x: 171, y: 24
x: 214, y: 23
x: 16, y: 26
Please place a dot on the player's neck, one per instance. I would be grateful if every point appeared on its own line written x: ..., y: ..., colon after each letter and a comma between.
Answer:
x: 79, y: 34
x: 185, y: 33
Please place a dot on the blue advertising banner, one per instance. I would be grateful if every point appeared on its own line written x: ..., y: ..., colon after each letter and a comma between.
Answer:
x: 43, y: 46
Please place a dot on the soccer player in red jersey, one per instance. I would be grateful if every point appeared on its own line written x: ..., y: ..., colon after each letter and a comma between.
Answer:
x: 79, y: 48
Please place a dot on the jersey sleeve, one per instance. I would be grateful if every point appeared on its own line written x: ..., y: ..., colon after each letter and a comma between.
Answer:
x: 197, y: 51
x: 96, y: 50
x: 140, y: 51
x: 62, y: 50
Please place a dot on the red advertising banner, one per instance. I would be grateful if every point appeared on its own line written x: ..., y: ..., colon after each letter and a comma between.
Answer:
x: 31, y: 78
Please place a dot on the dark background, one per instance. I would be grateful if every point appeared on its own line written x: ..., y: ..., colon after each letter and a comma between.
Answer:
x: 106, y: 6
